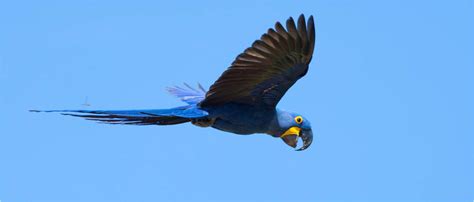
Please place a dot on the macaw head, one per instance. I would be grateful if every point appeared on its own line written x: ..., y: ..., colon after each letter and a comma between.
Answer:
x: 291, y: 126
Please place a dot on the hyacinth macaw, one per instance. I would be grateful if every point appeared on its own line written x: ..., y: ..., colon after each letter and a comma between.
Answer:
x: 243, y: 100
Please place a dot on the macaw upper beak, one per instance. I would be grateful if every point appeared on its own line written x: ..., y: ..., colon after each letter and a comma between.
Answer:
x: 290, y: 137
x: 307, y: 137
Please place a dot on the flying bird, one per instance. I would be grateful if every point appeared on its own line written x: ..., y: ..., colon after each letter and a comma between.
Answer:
x: 243, y: 100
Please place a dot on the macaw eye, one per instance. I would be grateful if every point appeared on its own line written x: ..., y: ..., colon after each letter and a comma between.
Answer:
x: 299, y: 119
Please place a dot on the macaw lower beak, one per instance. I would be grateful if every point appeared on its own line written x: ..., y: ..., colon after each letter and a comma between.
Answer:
x: 290, y: 137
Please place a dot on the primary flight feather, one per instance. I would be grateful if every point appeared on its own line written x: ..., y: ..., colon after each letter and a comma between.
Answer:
x: 244, y: 98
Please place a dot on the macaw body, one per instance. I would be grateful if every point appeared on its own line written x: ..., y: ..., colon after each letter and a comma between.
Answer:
x: 241, y: 119
x: 243, y: 100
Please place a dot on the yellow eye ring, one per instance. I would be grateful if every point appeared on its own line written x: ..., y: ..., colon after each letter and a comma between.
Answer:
x: 299, y: 119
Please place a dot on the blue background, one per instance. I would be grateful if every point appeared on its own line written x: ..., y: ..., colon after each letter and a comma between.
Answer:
x: 389, y: 95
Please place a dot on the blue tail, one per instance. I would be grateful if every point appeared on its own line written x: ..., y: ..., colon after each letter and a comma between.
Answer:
x: 138, y: 117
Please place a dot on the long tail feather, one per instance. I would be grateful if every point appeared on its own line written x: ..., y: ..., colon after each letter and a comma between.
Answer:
x: 137, y: 117
x: 133, y: 120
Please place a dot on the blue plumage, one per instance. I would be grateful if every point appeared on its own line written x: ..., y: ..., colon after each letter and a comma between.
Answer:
x: 188, y: 94
x: 243, y: 100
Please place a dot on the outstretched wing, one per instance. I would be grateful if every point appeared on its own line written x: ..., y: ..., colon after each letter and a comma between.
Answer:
x: 265, y: 71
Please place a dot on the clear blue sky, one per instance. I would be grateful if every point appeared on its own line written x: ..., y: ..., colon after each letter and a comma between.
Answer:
x: 389, y: 94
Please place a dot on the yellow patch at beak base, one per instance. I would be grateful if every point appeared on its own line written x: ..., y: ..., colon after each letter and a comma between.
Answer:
x: 292, y: 131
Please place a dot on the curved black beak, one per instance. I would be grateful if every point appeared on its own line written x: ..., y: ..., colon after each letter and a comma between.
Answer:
x: 306, y: 135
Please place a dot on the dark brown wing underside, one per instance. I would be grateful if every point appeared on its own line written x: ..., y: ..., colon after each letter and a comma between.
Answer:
x: 266, y: 70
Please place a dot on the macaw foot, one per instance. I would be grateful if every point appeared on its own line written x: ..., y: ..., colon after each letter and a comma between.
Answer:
x: 205, y: 122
